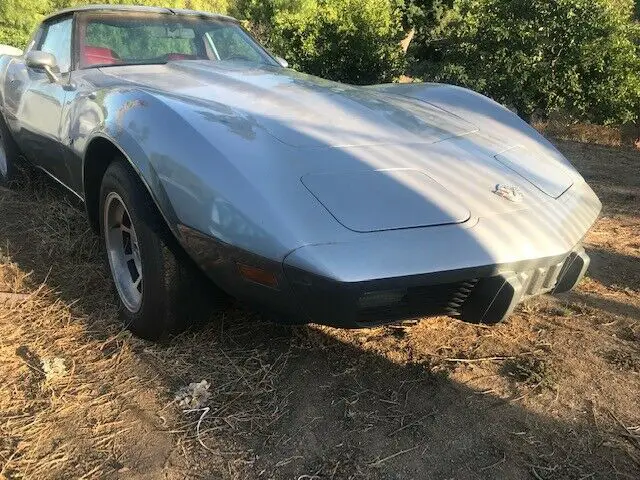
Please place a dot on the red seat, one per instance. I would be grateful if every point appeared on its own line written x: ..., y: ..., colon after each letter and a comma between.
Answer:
x: 98, y: 56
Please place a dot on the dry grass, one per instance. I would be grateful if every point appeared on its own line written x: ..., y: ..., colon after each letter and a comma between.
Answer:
x: 562, y: 127
x: 552, y: 393
x: 111, y: 412
x: 585, y: 133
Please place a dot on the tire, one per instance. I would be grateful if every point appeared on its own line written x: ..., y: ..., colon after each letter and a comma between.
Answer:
x: 173, y: 292
x: 13, y: 169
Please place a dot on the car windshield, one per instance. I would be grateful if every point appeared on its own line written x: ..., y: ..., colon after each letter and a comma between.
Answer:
x: 133, y: 38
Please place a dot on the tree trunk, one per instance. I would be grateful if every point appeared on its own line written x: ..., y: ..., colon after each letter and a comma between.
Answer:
x: 407, y: 40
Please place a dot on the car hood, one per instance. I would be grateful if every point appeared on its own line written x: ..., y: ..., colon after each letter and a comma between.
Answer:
x: 298, y: 109
x: 376, y: 160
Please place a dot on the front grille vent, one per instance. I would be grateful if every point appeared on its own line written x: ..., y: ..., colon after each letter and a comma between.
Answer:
x: 423, y: 301
x: 454, y: 307
x: 539, y: 280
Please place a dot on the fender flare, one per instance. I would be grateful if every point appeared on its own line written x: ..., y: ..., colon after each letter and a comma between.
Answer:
x: 134, y: 155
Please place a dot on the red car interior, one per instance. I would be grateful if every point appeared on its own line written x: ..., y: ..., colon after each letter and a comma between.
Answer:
x: 105, y: 56
x: 97, y: 56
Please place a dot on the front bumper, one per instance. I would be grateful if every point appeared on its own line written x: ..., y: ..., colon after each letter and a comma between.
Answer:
x: 478, y: 295
x: 485, y: 294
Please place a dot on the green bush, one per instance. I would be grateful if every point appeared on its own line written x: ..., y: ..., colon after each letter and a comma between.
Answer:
x: 258, y: 15
x: 353, y: 41
x: 578, y: 56
x: 18, y: 19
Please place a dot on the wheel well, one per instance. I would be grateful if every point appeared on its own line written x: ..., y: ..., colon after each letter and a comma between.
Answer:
x: 100, y: 153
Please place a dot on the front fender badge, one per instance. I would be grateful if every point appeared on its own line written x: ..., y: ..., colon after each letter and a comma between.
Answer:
x: 509, y: 192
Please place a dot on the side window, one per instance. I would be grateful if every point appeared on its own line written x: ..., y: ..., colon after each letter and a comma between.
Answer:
x: 230, y: 43
x: 56, y: 39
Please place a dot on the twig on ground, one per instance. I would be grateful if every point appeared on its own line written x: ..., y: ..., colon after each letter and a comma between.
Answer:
x: 630, y: 434
x: 497, y: 358
x: 502, y: 460
x: 309, y: 477
x: 287, y: 461
x: 527, y: 393
x: 204, y: 411
x: 379, y: 462
x: 535, y: 473
x: 415, y: 422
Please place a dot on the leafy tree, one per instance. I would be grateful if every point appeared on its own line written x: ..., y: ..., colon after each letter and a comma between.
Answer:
x: 18, y: 18
x: 354, y: 41
x: 579, y: 56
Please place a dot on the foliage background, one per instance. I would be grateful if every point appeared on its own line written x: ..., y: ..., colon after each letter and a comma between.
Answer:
x: 575, y: 56
x: 579, y: 57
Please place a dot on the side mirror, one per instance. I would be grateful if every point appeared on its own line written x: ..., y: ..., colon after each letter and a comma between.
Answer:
x: 9, y: 50
x: 283, y: 63
x: 43, y: 61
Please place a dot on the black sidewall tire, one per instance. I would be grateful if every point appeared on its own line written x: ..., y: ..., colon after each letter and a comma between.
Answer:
x: 16, y: 167
x: 172, y: 289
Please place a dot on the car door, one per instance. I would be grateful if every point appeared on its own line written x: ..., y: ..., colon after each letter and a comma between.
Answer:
x: 40, y: 106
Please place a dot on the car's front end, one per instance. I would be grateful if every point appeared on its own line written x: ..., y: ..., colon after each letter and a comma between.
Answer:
x: 478, y: 270
x: 468, y: 224
x: 354, y: 206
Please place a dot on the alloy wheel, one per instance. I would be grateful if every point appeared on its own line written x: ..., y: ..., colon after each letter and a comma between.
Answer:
x: 123, y: 252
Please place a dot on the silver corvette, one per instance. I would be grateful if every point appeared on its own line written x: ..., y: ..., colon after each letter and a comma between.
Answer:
x: 198, y: 153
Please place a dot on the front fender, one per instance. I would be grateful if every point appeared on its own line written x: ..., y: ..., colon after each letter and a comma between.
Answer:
x: 187, y: 155
x: 4, y: 64
x: 137, y: 158
x: 10, y: 91
x: 123, y: 117
x: 458, y: 100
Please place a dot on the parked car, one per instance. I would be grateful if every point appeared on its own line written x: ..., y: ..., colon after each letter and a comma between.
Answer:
x: 195, y: 150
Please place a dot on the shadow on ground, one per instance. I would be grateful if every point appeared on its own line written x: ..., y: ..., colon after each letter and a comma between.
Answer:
x: 614, y: 268
x: 302, y: 402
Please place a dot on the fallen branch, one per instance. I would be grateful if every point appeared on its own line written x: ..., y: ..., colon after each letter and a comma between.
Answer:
x: 630, y: 434
x: 474, y: 360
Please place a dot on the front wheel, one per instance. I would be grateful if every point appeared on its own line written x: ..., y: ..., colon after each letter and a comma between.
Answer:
x: 159, y: 291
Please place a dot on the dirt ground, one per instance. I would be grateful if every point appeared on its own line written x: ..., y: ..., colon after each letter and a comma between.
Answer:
x: 552, y: 393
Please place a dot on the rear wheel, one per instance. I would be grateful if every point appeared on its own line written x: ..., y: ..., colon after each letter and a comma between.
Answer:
x: 12, y: 168
x: 159, y: 290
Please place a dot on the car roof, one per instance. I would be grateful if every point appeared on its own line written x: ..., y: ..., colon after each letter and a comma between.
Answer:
x: 136, y: 8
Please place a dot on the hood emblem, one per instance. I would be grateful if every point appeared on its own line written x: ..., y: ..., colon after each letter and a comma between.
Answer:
x: 509, y: 192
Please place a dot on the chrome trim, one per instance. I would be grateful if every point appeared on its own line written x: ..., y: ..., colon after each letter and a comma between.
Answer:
x: 51, y: 175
